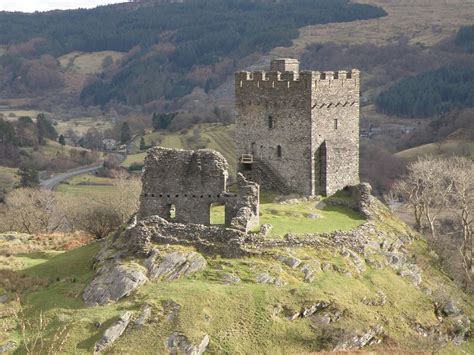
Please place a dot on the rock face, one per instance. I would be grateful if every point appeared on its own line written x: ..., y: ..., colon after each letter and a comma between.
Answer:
x: 113, y: 333
x: 178, y: 344
x: 175, y: 265
x: 113, y: 283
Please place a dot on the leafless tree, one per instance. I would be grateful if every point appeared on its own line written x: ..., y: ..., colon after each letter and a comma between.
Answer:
x: 32, y: 211
x: 461, y: 171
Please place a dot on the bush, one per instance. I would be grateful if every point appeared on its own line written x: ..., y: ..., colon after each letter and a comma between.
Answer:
x: 136, y: 166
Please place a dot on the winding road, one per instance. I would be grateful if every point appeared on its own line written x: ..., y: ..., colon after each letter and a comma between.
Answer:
x: 50, y: 184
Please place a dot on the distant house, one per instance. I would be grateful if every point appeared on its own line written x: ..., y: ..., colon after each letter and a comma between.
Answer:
x: 109, y: 144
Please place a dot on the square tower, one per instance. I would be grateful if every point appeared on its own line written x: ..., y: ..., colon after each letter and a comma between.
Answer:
x: 298, y: 131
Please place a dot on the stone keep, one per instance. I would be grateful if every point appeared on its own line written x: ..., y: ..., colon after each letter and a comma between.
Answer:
x: 181, y: 186
x: 298, y: 131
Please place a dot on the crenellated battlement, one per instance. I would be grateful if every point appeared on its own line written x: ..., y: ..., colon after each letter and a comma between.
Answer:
x: 281, y: 79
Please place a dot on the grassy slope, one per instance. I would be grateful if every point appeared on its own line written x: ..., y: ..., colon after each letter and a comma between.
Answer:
x: 442, y: 149
x: 239, y: 318
x: 215, y: 136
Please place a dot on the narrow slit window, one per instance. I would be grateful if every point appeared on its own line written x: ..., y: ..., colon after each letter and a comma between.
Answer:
x: 271, y: 122
x: 336, y: 123
x: 279, y: 151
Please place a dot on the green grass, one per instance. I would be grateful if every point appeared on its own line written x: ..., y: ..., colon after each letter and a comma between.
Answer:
x: 295, y: 218
x: 87, y: 185
x: 8, y: 178
x: 134, y: 158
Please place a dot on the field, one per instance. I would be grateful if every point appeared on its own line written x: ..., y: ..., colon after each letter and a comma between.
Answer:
x: 87, y: 185
x: 212, y: 135
x: 13, y: 113
x: 441, y: 149
x: 80, y: 125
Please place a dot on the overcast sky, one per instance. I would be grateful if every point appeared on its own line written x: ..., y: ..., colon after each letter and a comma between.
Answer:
x: 45, y: 5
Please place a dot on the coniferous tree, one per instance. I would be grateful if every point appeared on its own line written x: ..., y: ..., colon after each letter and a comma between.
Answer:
x: 125, y: 133
x: 61, y: 140
x: 142, y: 143
x: 28, y: 176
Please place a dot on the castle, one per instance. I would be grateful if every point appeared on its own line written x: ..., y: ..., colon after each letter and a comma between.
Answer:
x: 298, y: 131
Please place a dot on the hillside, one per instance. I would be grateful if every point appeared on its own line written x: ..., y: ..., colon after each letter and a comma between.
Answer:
x: 167, y: 54
x: 344, y: 290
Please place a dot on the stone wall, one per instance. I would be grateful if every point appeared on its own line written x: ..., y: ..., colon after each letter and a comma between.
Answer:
x: 186, y: 181
x: 304, y: 125
x: 181, y: 186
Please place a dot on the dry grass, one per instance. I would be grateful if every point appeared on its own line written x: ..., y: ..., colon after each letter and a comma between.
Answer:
x: 422, y: 21
x: 87, y: 63
x: 25, y: 244
x: 442, y: 149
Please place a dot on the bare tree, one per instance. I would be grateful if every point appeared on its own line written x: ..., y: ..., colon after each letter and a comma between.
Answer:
x: 461, y: 171
x: 32, y: 211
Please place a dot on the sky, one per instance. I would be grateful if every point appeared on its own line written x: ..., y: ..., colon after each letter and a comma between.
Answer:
x: 45, y: 5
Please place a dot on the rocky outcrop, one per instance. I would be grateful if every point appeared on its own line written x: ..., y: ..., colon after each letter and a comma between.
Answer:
x: 290, y: 261
x: 353, y: 342
x: 113, y: 333
x: 174, y: 266
x: 179, y: 344
x: 265, y: 278
x: 113, y: 283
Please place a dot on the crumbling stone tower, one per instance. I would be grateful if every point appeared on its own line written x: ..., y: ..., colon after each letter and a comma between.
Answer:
x: 298, y: 131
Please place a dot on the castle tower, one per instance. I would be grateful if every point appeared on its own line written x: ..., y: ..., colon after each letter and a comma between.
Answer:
x: 298, y: 131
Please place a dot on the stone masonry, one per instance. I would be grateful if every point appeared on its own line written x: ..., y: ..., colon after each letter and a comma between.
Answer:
x: 298, y: 131
x: 182, y: 185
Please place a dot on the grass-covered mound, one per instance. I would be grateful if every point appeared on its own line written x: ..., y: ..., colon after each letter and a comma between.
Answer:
x: 359, y: 291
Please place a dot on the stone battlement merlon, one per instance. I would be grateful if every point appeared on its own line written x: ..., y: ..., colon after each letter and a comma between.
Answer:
x: 276, y: 79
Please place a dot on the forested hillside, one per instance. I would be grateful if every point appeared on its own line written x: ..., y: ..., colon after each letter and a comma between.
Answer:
x: 465, y: 38
x: 172, y: 48
x: 431, y: 93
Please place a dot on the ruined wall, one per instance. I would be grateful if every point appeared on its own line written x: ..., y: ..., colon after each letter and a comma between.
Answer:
x: 243, y: 209
x: 181, y: 185
x: 312, y: 116
x: 285, y: 142
x: 189, y: 181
